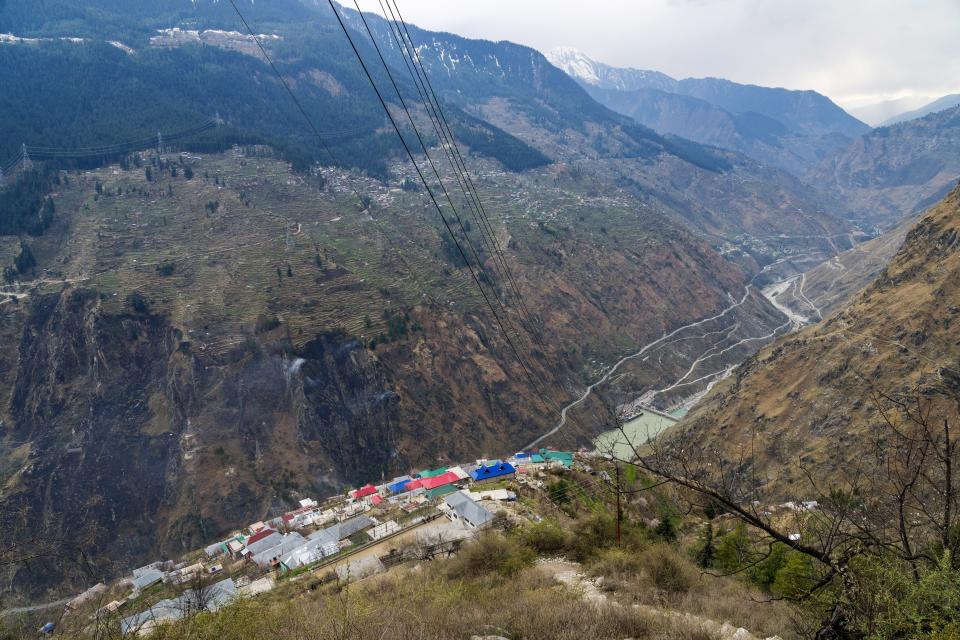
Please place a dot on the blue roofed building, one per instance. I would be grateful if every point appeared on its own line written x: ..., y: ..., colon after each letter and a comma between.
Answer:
x: 497, y: 470
x: 398, y: 485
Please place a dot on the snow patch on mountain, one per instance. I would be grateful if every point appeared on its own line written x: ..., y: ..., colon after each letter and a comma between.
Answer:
x: 575, y: 64
x: 586, y: 70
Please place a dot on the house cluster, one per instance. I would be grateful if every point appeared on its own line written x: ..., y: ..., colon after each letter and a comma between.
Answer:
x: 312, y: 532
x: 283, y: 543
x: 208, y: 598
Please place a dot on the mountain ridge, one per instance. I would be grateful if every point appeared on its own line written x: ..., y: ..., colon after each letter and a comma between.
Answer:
x: 940, y: 104
x: 719, y: 91
x: 793, y: 130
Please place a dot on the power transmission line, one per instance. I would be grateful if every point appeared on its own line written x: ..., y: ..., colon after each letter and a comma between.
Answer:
x: 445, y: 126
x: 360, y: 200
x: 436, y: 204
x: 507, y: 336
x: 438, y: 127
x: 29, y: 152
x: 447, y: 139
x: 436, y: 173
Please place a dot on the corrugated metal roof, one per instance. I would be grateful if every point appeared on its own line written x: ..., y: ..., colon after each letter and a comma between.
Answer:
x: 147, y: 578
x: 266, y: 542
x: 399, y: 486
x: 344, y: 529
x: 259, y: 535
x: 440, y: 480
x: 289, y: 542
x: 492, y: 471
x: 364, y: 491
x: 468, y: 510
x: 440, y: 491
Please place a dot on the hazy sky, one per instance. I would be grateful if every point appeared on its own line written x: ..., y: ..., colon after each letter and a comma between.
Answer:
x: 855, y: 51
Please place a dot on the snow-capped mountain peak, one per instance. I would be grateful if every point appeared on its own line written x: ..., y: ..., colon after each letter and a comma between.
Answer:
x: 588, y: 71
x: 575, y: 64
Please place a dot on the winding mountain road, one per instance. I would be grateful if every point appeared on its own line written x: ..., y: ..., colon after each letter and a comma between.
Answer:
x: 643, y: 350
x: 794, y: 321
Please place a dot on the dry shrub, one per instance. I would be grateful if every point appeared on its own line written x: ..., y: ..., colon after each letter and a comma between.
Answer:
x: 622, y: 563
x: 489, y: 553
x: 425, y: 605
x: 730, y: 600
x: 668, y: 570
x: 545, y: 537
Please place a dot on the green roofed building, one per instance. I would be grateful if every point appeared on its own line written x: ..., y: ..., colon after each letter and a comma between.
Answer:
x: 433, y: 472
x: 563, y: 457
x: 440, y: 491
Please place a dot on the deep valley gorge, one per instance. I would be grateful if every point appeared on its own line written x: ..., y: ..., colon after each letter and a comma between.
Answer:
x: 232, y: 282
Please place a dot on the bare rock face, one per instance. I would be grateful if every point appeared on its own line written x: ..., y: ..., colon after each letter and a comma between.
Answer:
x: 128, y: 456
x: 82, y: 399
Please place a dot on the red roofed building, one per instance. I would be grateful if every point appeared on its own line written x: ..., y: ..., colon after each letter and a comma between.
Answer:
x: 376, y: 499
x: 364, y: 491
x: 259, y: 535
x: 413, y: 484
x: 439, y: 481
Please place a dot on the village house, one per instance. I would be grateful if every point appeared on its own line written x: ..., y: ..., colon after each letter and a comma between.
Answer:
x: 145, y: 579
x: 495, y: 471
x: 461, y: 508
x: 215, y: 596
x: 314, y: 549
x: 398, y: 484
x: 88, y: 595
x: 261, y: 541
x: 272, y: 556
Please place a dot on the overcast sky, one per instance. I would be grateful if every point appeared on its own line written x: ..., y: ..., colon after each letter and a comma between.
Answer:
x: 855, y: 51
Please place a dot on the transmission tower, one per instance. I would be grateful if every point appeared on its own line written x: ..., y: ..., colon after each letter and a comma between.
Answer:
x: 159, y: 143
x: 218, y: 119
x: 2, y: 182
x: 27, y: 164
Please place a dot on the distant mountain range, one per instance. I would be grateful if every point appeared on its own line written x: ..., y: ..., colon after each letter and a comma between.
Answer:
x: 895, y: 171
x: 789, y: 129
x: 940, y: 104
x: 876, y: 113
